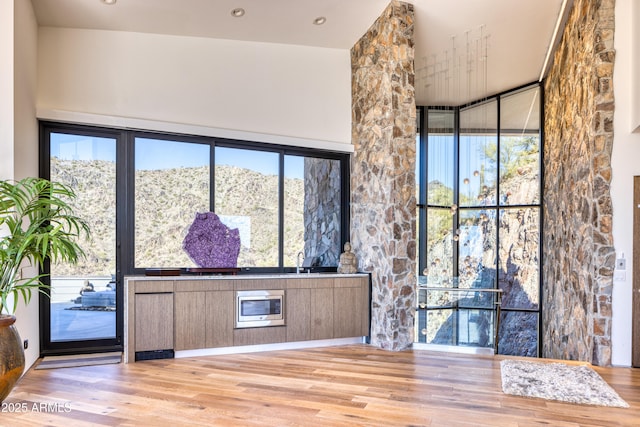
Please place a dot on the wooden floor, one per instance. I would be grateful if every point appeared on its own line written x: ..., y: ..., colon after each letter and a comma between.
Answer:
x: 331, y: 386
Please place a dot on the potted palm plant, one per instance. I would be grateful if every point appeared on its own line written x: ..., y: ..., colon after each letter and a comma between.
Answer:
x: 36, y: 223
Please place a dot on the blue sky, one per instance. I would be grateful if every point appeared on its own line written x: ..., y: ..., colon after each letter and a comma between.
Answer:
x: 163, y: 154
x: 79, y: 147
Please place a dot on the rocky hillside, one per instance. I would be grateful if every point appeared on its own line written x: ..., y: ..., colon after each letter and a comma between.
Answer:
x: 511, y: 241
x: 165, y: 205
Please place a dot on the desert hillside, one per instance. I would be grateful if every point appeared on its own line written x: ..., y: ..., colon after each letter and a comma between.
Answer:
x: 166, y: 202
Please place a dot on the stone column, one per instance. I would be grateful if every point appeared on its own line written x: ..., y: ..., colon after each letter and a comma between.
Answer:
x: 383, y: 203
x: 579, y: 257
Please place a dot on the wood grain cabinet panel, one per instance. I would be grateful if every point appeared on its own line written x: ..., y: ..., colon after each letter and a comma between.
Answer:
x: 203, y: 319
x: 255, y: 336
x: 347, y: 320
x: 153, y: 286
x: 322, y: 314
x: 351, y: 307
x: 298, y: 314
x: 220, y: 318
x: 190, y: 322
x: 154, y: 322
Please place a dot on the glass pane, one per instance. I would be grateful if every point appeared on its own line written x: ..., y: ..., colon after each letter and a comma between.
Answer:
x: 519, y: 274
x: 476, y: 328
x: 478, y: 155
x: 476, y: 299
x: 246, y: 197
x: 439, y: 327
x: 294, y: 199
x: 439, y: 247
x: 520, y: 148
x: 456, y: 317
x: 312, y: 216
x: 83, y: 296
x: 171, y: 186
x: 518, y: 335
x: 440, y: 161
x: 477, y: 248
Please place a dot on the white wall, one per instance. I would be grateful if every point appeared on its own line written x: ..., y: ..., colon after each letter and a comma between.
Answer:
x: 25, y: 143
x: 214, y: 86
x: 634, y: 49
x: 25, y: 87
x: 625, y: 163
x: 6, y: 89
x: 19, y: 127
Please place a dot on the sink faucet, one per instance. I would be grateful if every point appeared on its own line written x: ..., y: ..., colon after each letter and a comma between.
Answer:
x: 298, y: 263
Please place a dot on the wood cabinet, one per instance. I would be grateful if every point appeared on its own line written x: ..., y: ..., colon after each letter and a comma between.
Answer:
x: 154, y: 321
x: 191, y: 314
x: 327, y: 308
x: 351, y: 310
x: 309, y: 314
x: 322, y: 314
x: 203, y: 319
x: 219, y: 319
x: 298, y: 314
x: 190, y: 331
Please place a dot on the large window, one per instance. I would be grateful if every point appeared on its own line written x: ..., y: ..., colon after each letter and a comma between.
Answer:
x: 171, y: 185
x: 141, y: 191
x: 479, y: 211
x: 246, y: 196
x: 277, y: 198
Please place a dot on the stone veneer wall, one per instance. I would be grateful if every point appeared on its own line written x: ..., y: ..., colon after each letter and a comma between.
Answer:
x: 579, y: 257
x: 383, y: 204
x: 322, y: 198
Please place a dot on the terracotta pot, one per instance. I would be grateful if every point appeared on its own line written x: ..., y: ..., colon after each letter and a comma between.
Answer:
x: 11, y: 355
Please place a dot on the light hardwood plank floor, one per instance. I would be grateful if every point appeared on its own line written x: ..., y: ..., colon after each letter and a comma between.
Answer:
x: 331, y: 386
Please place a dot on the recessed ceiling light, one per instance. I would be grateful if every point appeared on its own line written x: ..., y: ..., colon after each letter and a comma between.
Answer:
x: 319, y: 20
x: 237, y: 12
x: 109, y: 1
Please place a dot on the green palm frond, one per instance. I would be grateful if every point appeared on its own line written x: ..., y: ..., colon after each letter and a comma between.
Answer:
x: 36, y: 223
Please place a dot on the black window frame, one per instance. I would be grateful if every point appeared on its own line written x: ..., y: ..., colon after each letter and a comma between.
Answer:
x: 422, y: 203
x: 125, y: 211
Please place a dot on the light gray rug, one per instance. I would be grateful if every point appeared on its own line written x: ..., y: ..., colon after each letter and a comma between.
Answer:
x: 557, y: 381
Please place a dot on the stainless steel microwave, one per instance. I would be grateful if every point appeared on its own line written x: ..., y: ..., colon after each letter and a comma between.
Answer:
x: 261, y: 308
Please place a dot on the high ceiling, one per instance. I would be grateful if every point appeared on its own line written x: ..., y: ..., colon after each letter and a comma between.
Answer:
x: 465, y: 49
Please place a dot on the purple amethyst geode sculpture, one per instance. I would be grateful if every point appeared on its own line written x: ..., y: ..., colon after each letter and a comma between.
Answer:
x: 210, y: 243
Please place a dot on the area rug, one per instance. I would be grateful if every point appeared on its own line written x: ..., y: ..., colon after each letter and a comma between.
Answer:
x: 52, y: 362
x: 558, y: 381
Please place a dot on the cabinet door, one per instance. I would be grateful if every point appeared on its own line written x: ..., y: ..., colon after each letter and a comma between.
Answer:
x: 154, y: 322
x: 321, y: 313
x: 347, y: 317
x: 298, y: 314
x: 190, y: 326
x: 220, y: 318
x: 351, y: 303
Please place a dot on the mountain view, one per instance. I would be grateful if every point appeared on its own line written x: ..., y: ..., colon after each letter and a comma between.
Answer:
x: 166, y: 202
x: 508, y: 243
